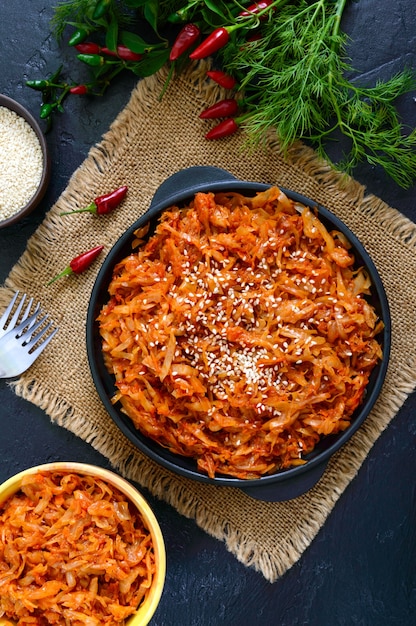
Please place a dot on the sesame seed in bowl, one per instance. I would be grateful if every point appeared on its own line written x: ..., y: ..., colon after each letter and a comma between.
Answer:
x: 24, y: 162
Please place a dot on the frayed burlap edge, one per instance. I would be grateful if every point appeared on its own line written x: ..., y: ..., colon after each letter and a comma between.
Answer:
x: 175, y: 490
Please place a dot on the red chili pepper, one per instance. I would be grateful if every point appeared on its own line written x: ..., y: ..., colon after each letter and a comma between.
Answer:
x: 216, y: 40
x: 88, y: 47
x: 222, y: 79
x: 223, y: 129
x: 255, y: 8
x: 126, y: 54
x: 79, y: 90
x: 103, y: 204
x: 123, y: 53
x: 79, y: 264
x: 185, y: 39
x: 223, y: 108
x: 253, y: 38
x: 108, y: 202
x: 108, y: 52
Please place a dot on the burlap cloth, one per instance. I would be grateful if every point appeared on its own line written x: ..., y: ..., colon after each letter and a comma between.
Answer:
x: 148, y: 141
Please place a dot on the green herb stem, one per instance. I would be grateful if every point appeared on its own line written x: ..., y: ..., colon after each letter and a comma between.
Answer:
x: 339, y: 10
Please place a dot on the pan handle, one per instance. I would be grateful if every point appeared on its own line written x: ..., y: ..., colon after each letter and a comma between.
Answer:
x: 188, y: 179
x: 287, y: 489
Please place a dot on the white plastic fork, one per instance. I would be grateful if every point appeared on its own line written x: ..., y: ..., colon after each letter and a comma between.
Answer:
x: 21, y: 346
x: 8, y: 323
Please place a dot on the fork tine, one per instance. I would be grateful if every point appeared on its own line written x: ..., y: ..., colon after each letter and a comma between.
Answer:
x: 15, y: 317
x: 21, y: 346
x: 5, y: 323
x: 29, y: 306
x: 33, y: 339
x: 26, y: 313
x: 44, y: 343
x: 25, y: 324
x: 31, y: 325
x: 5, y: 316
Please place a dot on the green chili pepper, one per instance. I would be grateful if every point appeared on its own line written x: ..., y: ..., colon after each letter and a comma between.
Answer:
x: 181, y: 15
x: 94, y: 60
x: 79, y: 36
x: 45, y: 110
x: 175, y: 18
x: 101, y: 9
x: 39, y: 85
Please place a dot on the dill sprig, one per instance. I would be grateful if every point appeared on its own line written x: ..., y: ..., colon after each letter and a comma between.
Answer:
x: 295, y: 80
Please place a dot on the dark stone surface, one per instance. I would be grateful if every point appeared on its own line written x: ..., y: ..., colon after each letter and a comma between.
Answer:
x: 361, y: 568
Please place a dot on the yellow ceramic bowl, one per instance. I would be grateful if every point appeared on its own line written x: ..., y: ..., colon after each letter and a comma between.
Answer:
x: 148, y: 607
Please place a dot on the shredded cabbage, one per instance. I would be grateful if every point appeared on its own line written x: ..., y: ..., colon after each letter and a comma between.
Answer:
x: 73, y: 551
x: 239, y: 334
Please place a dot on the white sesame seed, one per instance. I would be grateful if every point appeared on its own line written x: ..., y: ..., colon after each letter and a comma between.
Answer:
x: 21, y: 162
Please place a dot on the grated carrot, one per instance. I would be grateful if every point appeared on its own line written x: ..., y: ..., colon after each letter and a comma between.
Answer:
x: 239, y: 334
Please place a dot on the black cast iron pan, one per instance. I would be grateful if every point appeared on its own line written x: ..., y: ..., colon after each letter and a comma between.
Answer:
x: 281, y: 485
